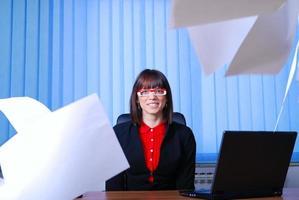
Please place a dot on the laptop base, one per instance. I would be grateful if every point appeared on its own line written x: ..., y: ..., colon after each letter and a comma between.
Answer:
x: 207, y: 194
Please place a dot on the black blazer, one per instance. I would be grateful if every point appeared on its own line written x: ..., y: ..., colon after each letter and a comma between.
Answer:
x: 176, y: 166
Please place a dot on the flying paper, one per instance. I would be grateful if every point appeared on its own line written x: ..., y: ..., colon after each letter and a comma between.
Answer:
x: 22, y: 110
x: 249, y: 36
x: 194, y: 12
x: 61, y: 154
x: 268, y: 44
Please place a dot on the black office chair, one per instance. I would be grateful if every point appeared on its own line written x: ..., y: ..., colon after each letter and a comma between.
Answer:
x: 177, y: 117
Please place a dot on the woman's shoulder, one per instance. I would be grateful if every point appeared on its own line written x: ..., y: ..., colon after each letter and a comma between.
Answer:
x: 123, y: 127
x: 184, y: 134
x: 181, y: 128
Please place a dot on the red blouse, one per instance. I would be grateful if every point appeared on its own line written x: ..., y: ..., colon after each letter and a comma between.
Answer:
x: 151, y: 139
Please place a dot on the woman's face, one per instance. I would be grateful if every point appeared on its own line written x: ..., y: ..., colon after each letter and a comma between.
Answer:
x: 152, y: 101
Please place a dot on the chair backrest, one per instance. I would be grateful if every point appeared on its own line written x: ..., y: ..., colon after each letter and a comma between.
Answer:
x: 177, y: 117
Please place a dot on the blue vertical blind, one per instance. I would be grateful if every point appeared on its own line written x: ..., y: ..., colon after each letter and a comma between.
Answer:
x: 58, y: 51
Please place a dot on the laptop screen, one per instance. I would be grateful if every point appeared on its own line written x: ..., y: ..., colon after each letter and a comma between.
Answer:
x: 253, y: 163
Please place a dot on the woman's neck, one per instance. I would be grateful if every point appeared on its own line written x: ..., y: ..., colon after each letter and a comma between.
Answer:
x: 152, y: 120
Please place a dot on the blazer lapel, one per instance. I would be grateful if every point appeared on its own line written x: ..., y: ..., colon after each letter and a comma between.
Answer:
x: 135, y: 149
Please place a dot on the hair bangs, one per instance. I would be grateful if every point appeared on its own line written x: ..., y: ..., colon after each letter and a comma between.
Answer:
x: 150, y: 81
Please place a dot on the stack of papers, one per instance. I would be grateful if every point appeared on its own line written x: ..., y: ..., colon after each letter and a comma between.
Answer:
x: 60, y: 154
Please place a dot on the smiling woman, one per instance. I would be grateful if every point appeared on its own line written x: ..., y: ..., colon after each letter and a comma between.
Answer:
x: 151, y: 98
x: 161, y: 153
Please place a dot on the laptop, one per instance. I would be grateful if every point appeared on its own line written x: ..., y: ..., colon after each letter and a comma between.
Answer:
x: 250, y: 164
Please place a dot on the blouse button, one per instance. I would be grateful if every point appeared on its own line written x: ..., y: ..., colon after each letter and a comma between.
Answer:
x: 151, y: 150
x: 152, y: 139
x: 151, y: 159
x: 152, y: 130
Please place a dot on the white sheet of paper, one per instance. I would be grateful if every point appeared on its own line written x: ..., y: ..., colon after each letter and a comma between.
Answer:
x: 216, y: 44
x: 268, y: 44
x: 22, y: 110
x: 195, y: 12
x: 62, y: 155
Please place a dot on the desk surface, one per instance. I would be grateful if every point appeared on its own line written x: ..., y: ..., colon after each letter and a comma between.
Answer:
x: 288, y: 194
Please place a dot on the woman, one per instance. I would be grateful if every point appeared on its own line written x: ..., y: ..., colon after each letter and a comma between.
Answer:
x: 161, y: 153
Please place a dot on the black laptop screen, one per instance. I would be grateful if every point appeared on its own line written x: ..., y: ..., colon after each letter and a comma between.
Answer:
x: 253, y: 160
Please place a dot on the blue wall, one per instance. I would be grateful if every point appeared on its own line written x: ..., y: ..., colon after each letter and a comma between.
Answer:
x: 58, y: 51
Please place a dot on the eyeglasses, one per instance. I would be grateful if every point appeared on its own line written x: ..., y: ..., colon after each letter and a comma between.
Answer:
x: 156, y: 91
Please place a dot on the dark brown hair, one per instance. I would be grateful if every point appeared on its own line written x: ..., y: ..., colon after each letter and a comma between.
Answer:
x: 150, y: 78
